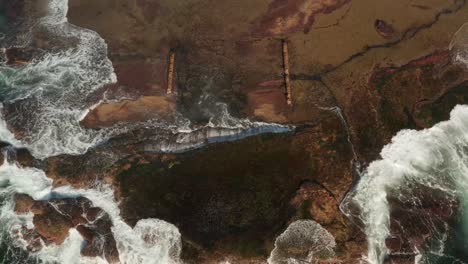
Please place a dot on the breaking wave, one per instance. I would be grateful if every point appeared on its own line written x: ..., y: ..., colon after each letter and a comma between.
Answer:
x: 434, y: 160
x: 49, y: 95
x: 150, y: 241
x: 416, y: 194
x: 43, y: 102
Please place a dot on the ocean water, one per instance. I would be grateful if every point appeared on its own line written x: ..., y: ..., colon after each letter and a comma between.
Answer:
x: 55, y: 87
x: 150, y: 241
x: 51, y: 93
x: 416, y: 168
x: 433, y: 160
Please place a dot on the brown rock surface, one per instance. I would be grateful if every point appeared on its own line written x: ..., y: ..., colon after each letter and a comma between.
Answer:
x: 384, y: 63
x: 23, y: 203
x: 246, y: 66
x: 23, y: 157
x: 99, y: 242
x: 371, y: 125
x: 286, y: 17
x: 317, y: 203
x: 53, y: 219
x: 141, y: 109
x: 254, y: 178
x: 52, y: 225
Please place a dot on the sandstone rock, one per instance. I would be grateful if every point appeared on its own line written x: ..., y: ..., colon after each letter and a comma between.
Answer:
x: 434, y: 75
x: 151, y: 81
x: 81, y: 171
x: 269, y: 103
x: 393, y: 49
x: 86, y: 233
x: 239, y: 58
x: 433, y: 85
x: 142, y: 109
x: 40, y: 207
x: 294, y: 16
x: 230, y: 198
x: 317, y: 203
x: 52, y: 225
x: 93, y: 213
x: 23, y: 203
x: 53, y: 219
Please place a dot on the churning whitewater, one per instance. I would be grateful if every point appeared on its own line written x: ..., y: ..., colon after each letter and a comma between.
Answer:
x: 434, y: 158
x: 51, y: 93
x: 54, y: 87
x: 418, y: 166
x: 150, y: 241
x: 54, y: 90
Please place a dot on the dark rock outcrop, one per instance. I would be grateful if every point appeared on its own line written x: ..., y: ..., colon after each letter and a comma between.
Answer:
x: 20, y: 56
x: 383, y: 28
x: 228, y: 193
x: 99, y: 239
x: 392, y: 72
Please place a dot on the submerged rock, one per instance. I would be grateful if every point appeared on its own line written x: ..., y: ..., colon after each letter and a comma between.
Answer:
x: 99, y: 239
x: 420, y: 221
x: 19, y: 56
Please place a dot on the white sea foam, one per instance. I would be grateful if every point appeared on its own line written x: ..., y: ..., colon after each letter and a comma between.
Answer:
x: 55, y: 87
x: 5, y: 134
x: 58, y: 83
x: 150, y: 241
x: 436, y: 158
x: 304, y: 241
x: 459, y: 46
